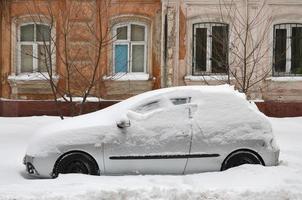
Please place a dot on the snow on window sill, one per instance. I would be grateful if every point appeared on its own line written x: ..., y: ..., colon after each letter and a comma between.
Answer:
x: 128, y: 77
x: 208, y: 78
x: 257, y: 100
x: 285, y: 78
x: 32, y: 77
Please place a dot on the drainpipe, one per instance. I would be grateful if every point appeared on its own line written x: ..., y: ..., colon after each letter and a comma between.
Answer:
x: 165, y: 48
x: 247, y: 10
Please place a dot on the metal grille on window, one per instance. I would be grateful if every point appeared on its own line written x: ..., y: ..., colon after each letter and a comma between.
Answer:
x: 210, y: 48
x: 287, y: 50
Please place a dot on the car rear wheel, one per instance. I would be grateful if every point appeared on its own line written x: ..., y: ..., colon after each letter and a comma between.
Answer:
x: 241, y: 157
x: 76, y: 162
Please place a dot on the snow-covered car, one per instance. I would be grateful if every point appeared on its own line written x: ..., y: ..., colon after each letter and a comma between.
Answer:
x: 178, y: 130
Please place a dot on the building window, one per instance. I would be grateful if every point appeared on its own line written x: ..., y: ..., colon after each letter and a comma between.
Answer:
x: 34, y: 48
x: 130, y: 48
x: 287, y: 50
x: 210, y: 48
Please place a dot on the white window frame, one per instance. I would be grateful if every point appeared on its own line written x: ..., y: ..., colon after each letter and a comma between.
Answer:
x: 288, y: 27
x: 130, y: 44
x: 208, y: 26
x: 35, y: 45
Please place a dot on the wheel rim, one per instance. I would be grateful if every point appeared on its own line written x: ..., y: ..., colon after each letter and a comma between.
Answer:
x: 241, y: 159
x: 79, y: 163
x: 77, y: 167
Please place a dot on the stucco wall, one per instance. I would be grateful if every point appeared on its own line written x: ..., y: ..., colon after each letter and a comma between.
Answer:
x: 274, y: 12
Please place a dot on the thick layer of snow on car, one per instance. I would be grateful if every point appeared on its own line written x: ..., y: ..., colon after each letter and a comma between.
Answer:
x: 246, y: 182
x: 222, y: 114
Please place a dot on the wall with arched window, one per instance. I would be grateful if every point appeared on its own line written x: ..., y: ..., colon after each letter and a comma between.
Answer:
x: 33, y: 56
x: 130, y: 48
x: 34, y: 48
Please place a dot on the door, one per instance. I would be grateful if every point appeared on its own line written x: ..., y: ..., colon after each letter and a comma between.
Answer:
x: 157, y: 141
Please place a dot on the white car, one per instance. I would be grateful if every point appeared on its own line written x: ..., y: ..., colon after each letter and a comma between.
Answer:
x: 178, y: 130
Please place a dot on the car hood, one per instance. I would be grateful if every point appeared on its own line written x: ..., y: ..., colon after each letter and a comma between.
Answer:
x: 98, y: 127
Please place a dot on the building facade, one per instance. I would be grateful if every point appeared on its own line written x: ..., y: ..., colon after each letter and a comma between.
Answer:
x: 70, y: 45
x: 211, y: 42
x: 118, y: 48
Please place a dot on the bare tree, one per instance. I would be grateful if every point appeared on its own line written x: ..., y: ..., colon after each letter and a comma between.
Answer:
x: 77, y: 37
x: 240, y: 46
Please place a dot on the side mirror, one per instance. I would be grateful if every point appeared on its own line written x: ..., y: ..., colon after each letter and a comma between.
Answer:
x: 124, y: 123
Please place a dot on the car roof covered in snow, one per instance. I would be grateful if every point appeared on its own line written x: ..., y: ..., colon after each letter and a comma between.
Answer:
x: 110, y: 114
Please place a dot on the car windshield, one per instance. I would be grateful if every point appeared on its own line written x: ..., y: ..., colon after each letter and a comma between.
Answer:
x: 147, y: 107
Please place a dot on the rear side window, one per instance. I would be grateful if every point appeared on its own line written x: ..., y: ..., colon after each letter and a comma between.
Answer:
x: 180, y: 100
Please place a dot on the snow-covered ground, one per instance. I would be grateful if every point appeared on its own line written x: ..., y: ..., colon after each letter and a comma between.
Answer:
x: 247, y: 182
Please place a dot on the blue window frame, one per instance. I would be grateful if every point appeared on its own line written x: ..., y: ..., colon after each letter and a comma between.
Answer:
x: 130, y: 48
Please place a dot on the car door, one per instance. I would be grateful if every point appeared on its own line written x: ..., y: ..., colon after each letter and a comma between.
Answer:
x: 205, y: 154
x: 157, y: 141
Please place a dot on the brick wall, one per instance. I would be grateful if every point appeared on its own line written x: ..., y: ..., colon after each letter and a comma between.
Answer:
x: 87, y: 26
x: 10, y: 108
x: 37, y: 108
x: 280, y: 109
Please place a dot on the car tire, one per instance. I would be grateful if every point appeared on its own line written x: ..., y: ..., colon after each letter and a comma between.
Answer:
x: 76, y: 162
x: 241, y: 157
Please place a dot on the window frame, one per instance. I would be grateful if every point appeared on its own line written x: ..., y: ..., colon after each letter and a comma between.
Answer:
x: 209, y: 26
x: 130, y: 44
x: 288, y: 57
x: 35, y: 44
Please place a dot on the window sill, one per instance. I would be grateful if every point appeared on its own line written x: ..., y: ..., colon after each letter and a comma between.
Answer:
x: 32, y: 77
x: 30, y: 84
x: 128, y: 77
x: 207, y: 78
x: 285, y: 79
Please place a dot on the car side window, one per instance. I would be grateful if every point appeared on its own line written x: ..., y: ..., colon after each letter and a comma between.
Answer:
x: 180, y: 100
x: 147, y: 107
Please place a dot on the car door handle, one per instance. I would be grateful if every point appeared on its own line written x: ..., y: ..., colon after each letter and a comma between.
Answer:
x: 182, y: 135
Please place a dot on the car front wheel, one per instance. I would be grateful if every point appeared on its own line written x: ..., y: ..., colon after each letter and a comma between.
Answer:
x: 76, y: 162
x: 241, y: 157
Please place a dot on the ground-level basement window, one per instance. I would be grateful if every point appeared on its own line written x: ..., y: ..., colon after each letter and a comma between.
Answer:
x: 34, y: 48
x: 130, y: 48
x: 210, y: 48
x: 287, y: 50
